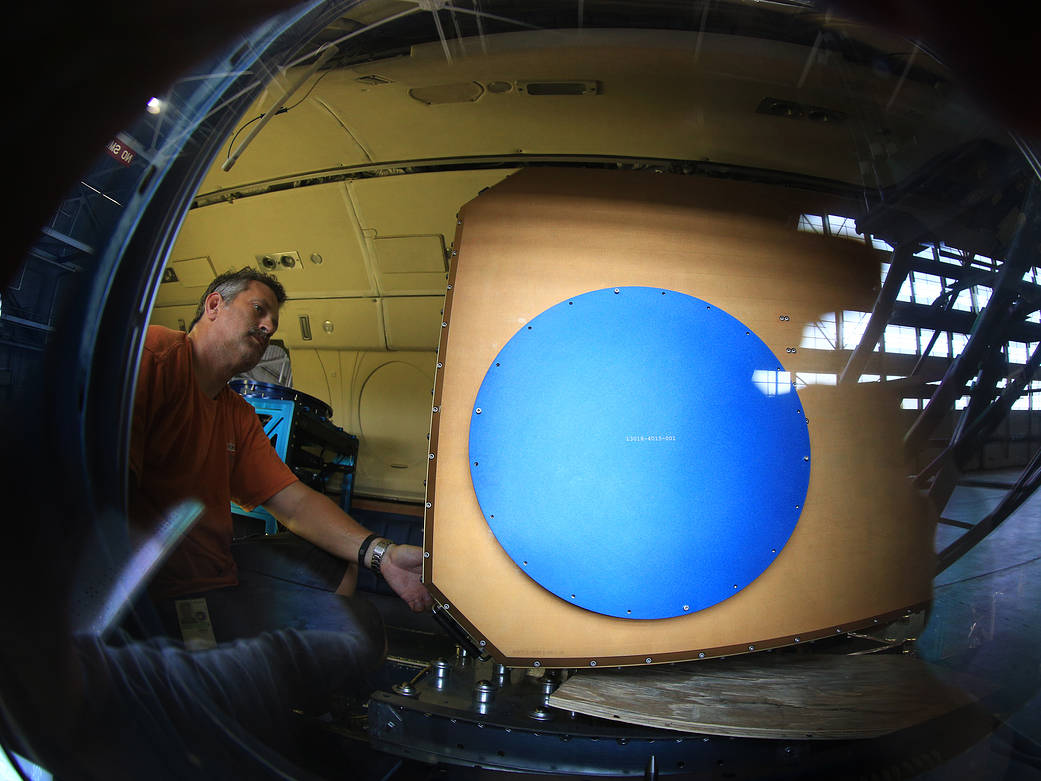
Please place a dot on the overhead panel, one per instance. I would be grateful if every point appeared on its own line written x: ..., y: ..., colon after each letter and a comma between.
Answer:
x: 681, y: 95
x: 410, y: 264
x: 332, y: 324
x: 425, y: 203
x: 413, y: 322
x: 314, y: 226
x: 311, y: 136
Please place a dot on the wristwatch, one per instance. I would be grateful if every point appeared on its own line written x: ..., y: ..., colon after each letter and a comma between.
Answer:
x: 380, y: 547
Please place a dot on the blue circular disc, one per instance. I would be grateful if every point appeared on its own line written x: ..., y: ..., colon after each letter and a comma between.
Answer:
x: 639, y: 452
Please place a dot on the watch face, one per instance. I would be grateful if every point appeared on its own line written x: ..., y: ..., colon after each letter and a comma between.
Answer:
x: 639, y: 452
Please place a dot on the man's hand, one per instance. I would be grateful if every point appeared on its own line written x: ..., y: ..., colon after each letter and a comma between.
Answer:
x: 402, y: 567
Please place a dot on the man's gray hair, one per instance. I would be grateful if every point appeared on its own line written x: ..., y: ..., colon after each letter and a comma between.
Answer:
x: 231, y: 283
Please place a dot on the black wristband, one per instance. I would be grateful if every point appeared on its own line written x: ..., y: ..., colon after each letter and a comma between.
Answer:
x: 365, y: 548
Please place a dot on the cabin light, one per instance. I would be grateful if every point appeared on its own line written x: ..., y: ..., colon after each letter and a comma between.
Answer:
x: 327, y: 326
x: 154, y: 106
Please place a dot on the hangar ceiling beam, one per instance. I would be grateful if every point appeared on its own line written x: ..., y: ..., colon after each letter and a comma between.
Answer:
x: 981, y: 425
x: 989, y: 332
x: 880, y: 313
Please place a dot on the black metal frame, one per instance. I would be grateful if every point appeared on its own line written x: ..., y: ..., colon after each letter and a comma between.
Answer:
x: 983, y: 363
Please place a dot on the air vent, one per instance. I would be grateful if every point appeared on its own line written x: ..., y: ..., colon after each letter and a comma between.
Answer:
x: 374, y: 80
x: 463, y: 92
x: 169, y: 275
x: 792, y: 110
x: 279, y: 261
x: 558, y: 87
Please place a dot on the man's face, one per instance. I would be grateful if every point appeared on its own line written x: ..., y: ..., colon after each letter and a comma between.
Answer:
x: 247, y: 323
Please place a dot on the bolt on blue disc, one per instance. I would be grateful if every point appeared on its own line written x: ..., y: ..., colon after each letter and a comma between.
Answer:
x: 639, y: 452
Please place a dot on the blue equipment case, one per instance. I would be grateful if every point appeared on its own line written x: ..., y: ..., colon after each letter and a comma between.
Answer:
x: 322, y: 455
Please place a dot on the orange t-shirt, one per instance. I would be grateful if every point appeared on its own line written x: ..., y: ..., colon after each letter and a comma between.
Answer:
x: 185, y: 445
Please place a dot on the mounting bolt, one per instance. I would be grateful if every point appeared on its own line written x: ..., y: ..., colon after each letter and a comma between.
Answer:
x: 405, y: 689
x: 540, y: 714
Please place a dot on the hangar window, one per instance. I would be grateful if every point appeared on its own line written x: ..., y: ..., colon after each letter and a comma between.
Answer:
x: 845, y: 227
x: 834, y: 225
x: 802, y: 379
x: 820, y: 335
x: 901, y: 339
x: 1019, y: 352
x: 927, y: 287
x: 852, y: 329
x: 811, y: 223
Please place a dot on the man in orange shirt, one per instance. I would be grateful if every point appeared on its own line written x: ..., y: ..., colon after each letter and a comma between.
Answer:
x: 194, y: 438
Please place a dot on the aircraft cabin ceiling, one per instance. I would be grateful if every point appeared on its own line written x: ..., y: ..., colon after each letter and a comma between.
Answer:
x: 394, y: 117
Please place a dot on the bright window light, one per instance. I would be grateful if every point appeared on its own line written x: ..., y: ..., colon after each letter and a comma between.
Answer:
x: 820, y: 335
x: 910, y: 403
x: 1018, y: 352
x: 905, y: 293
x: 927, y: 287
x: 154, y: 106
x: 983, y: 294
x: 939, y: 349
x: 879, y: 244
x: 853, y: 327
x: 802, y: 379
x: 844, y: 226
x: 958, y: 342
x: 772, y: 383
x: 811, y: 223
x: 901, y: 339
x: 963, y: 302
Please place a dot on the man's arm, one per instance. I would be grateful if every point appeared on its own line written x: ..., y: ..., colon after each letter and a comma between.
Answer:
x: 317, y: 519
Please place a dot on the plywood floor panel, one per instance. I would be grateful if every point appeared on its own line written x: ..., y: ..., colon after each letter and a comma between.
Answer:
x: 789, y: 697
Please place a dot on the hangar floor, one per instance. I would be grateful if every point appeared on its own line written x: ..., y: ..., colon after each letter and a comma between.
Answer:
x: 984, y: 628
